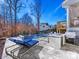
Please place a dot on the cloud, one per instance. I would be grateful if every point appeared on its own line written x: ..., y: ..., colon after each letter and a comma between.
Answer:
x: 57, y: 8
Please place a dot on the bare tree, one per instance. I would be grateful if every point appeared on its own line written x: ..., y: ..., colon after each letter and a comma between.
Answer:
x: 8, y: 14
x: 11, y: 8
x: 36, y: 10
x: 16, y: 6
x: 27, y: 20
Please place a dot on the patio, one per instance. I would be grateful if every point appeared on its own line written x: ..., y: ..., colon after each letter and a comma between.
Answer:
x: 45, y: 51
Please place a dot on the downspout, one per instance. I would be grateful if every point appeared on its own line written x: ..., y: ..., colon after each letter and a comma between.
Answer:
x: 68, y: 19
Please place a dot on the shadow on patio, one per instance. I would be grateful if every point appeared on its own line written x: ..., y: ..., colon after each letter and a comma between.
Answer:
x: 32, y: 53
x: 70, y: 47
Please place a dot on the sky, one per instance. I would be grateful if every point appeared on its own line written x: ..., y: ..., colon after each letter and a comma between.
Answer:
x: 53, y: 12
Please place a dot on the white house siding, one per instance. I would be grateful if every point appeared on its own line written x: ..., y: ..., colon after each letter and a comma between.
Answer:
x: 72, y: 7
x: 72, y: 12
x: 44, y: 27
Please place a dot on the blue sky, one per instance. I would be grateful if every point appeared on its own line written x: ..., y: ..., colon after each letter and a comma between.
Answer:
x: 53, y: 12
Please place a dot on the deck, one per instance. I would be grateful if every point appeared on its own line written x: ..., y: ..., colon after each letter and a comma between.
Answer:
x: 45, y: 51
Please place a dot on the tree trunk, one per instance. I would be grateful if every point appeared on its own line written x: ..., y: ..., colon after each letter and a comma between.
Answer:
x: 38, y: 23
x: 11, y: 17
x: 15, y: 14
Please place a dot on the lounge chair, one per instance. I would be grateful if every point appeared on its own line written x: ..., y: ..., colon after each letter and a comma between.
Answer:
x: 24, y: 42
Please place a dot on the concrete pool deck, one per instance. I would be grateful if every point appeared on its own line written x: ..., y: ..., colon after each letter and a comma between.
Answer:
x: 45, y: 51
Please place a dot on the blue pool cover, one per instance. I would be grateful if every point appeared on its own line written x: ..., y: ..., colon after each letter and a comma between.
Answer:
x: 26, y: 42
x: 29, y: 40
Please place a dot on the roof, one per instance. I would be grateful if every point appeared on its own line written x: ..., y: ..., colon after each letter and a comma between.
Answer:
x: 62, y: 21
x: 67, y: 3
x: 44, y: 23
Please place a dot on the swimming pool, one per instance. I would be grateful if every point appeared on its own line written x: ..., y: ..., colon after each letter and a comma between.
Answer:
x: 35, y: 36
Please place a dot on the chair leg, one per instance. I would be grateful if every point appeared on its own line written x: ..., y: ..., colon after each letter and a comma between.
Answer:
x: 27, y: 51
x: 12, y: 51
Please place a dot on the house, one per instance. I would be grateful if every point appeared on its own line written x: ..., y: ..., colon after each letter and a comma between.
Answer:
x: 61, y: 27
x: 72, y: 7
x: 44, y: 26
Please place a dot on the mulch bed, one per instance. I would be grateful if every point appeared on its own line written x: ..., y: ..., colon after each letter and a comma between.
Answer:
x: 2, y: 43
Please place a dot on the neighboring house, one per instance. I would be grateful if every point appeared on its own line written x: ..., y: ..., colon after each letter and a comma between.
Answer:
x: 61, y: 26
x: 44, y: 26
x: 52, y: 26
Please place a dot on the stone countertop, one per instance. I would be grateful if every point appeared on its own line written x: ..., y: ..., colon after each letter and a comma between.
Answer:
x: 56, y: 35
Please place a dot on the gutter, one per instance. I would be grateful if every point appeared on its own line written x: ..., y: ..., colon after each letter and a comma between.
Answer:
x: 68, y: 3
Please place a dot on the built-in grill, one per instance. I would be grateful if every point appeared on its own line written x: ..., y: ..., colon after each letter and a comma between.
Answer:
x: 75, y: 40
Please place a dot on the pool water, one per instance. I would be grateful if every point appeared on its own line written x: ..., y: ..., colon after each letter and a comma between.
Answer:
x: 35, y: 36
